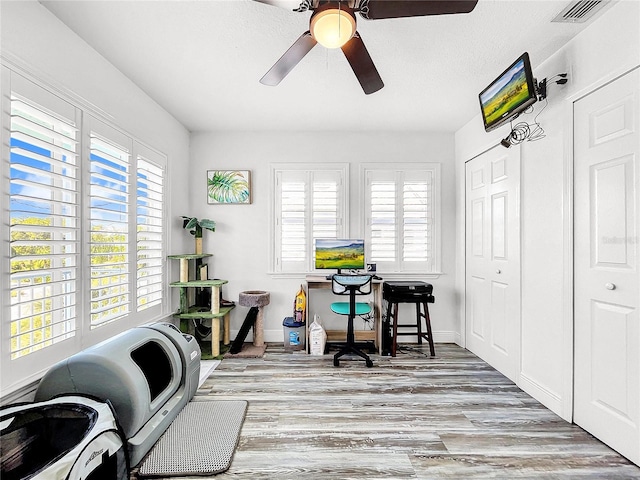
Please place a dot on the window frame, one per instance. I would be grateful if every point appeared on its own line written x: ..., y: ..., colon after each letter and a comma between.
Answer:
x: 342, y: 170
x: 404, y: 168
x: 22, y: 371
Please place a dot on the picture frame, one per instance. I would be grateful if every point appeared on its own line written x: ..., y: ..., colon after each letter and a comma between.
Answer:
x: 228, y: 187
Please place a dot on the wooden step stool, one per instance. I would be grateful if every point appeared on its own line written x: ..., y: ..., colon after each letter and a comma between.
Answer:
x: 419, y: 293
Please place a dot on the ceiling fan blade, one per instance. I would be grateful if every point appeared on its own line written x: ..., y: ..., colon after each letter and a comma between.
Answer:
x: 378, y: 9
x: 290, y: 59
x: 362, y: 65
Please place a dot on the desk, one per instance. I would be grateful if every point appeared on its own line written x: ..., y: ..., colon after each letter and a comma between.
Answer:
x: 316, y: 282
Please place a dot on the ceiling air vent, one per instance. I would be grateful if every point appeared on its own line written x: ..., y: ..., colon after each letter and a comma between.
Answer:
x: 579, y: 11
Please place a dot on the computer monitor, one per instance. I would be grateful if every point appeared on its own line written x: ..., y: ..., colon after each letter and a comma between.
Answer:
x: 340, y: 254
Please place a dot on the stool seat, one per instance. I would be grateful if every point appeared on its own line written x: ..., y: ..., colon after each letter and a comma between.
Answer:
x: 342, y: 308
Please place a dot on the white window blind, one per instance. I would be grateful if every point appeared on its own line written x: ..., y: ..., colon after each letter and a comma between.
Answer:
x: 401, y: 216
x: 149, y: 233
x: 382, y: 223
x: 417, y: 220
x: 109, y: 229
x: 325, y: 206
x: 309, y: 204
x: 293, y: 220
x: 44, y: 209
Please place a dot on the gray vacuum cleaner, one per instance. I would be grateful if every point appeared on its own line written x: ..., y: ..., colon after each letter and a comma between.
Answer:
x: 148, y: 374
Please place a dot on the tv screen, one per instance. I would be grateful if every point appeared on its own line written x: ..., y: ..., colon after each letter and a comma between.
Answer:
x: 509, y: 94
x: 345, y: 254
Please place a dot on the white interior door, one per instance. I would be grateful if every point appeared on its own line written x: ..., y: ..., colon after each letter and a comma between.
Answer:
x: 492, y: 280
x: 606, y: 286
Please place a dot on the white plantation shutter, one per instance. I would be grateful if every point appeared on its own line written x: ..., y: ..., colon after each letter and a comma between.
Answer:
x: 401, y: 216
x: 110, y: 180
x: 325, y: 205
x: 417, y: 220
x: 382, y: 223
x: 149, y: 233
x: 309, y: 204
x: 44, y: 222
x: 293, y: 220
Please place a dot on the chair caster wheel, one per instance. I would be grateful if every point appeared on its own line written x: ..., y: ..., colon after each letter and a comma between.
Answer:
x: 369, y: 363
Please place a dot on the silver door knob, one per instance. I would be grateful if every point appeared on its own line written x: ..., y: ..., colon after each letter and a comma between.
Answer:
x: 610, y: 286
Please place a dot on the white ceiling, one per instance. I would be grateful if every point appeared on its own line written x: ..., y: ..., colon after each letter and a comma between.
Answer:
x: 202, y: 61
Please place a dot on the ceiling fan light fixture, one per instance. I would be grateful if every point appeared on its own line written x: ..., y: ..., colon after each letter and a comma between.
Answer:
x: 332, y: 27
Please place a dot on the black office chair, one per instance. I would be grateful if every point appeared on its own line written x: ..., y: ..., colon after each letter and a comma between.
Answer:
x: 351, y: 285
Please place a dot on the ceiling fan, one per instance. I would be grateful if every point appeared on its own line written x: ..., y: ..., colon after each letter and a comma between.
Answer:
x: 333, y: 25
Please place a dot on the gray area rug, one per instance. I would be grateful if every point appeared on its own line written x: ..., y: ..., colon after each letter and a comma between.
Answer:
x: 200, y: 441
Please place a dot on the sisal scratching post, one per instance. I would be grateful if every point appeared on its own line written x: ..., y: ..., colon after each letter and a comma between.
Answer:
x: 184, y: 270
x: 227, y: 327
x: 215, y: 322
x: 215, y: 337
x: 215, y: 300
x: 256, y: 298
x: 258, y: 329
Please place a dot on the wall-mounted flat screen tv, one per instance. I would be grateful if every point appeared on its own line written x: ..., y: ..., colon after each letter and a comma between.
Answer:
x: 509, y: 94
x: 344, y: 254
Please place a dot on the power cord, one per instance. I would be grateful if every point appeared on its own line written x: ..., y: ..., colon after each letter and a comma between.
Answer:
x: 523, y: 131
x: 407, y: 349
x: 368, y: 320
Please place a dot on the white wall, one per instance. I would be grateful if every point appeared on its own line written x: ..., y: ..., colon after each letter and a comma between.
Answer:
x: 36, y: 44
x: 604, y: 50
x: 34, y: 39
x: 241, y: 242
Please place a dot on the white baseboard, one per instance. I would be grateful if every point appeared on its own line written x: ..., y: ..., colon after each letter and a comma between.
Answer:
x: 277, y: 336
x: 548, y: 398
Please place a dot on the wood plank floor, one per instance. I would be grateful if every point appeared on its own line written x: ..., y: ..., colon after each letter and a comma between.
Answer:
x: 412, y: 416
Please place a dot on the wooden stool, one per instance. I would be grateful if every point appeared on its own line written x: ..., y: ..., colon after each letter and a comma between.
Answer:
x: 418, y: 293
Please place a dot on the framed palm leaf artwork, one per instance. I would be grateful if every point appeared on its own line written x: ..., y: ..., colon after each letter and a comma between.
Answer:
x: 226, y: 187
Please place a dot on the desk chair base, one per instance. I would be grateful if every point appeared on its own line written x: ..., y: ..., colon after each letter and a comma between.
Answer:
x: 355, y: 349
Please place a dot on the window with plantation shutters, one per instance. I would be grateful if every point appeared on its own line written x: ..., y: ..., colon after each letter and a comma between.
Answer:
x: 44, y: 224
x: 401, y: 217
x: 309, y: 203
x: 86, y: 229
x: 149, y: 232
x: 109, y: 196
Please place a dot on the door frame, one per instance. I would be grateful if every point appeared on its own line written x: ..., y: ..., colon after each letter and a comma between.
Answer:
x: 568, y: 236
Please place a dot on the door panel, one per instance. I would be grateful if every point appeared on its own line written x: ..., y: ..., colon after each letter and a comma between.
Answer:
x: 611, y: 184
x: 499, y: 226
x: 499, y: 320
x: 492, y: 259
x: 478, y: 299
x: 606, y: 279
x: 611, y: 325
x: 477, y: 228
